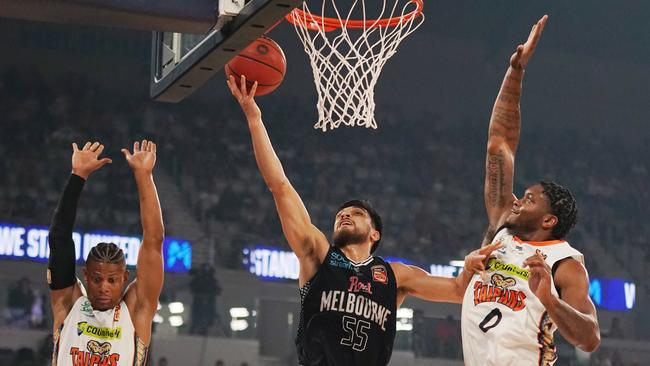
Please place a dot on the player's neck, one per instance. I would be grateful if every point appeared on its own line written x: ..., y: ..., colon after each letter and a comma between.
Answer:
x: 534, y: 236
x: 356, y: 252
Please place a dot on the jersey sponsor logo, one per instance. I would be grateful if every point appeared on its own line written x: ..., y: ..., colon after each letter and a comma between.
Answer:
x: 359, y: 305
x: 497, y: 291
x: 356, y: 285
x: 99, y: 332
x: 499, y: 266
x: 379, y: 274
x: 337, y: 260
x: 97, y: 354
x: 87, y: 309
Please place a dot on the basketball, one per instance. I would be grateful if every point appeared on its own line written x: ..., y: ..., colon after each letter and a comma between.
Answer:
x: 262, y: 61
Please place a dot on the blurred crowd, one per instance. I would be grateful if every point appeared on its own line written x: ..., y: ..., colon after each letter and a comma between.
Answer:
x: 425, y: 175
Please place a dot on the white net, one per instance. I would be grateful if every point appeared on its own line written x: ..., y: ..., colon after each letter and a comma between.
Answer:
x: 347, y: 56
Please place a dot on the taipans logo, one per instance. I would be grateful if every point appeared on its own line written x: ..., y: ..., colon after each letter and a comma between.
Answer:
x: 99, y: 332
x: 87, y: 309
x: 497, y: 291
x: 337, y: 260
x: 500, y: 281
x: 97, y: 354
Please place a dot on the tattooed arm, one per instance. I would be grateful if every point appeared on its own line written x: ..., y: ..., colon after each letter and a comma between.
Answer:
x: 503, y: 135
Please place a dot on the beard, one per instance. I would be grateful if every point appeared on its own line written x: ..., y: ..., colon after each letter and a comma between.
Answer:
x: 521, y: 225
x: 344, y: 237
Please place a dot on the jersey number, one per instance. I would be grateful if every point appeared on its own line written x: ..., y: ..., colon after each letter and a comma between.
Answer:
x: 495, y: 313
x: 355, y: 331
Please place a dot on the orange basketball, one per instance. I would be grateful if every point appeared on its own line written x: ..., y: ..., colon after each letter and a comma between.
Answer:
x: 262, y: 61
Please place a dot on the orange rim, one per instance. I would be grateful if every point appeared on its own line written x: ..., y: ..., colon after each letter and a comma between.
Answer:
x: 315, y: 22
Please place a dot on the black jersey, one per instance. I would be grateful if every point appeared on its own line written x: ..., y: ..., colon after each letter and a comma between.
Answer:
x: 348, y: 313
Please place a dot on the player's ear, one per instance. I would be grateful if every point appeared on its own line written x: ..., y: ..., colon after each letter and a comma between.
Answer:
x: 549, y: 222
x: 375, y: 235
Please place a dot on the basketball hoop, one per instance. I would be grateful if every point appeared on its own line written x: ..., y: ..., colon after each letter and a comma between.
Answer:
x: 347, y: 55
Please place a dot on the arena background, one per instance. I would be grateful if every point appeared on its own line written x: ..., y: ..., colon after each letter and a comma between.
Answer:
x: 585, y: 109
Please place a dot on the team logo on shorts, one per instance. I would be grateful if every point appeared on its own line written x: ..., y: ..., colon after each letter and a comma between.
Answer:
x: 379, y: 274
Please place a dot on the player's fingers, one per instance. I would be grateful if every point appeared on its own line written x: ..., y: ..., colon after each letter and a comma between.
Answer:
x: 153, y: 147
x: 242, y: 86
x: 86, y: 146
x: 143, y: 145
x: 490, y: 248
x: 233, y: 86
x: 105, y: 161
x: 94, y: 146
x: 136, y: 147
x: 100, y: 149
x: 75, y: 147
x: 126, y: 153
x: 253, y: 89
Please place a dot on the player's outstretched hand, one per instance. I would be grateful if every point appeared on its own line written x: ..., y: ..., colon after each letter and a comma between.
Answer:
x: 476, y: 260
x: 86, y: 160
x: 143, y: 158
x: 245, y: 98
x: 522, y: 55
x: 540, y: 276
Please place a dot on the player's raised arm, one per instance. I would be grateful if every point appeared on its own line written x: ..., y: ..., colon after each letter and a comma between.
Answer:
x: 150, y: 268
x: 414, y: 281
x: 309, y: 243
x: 503, y: 134
x: 64, y: 286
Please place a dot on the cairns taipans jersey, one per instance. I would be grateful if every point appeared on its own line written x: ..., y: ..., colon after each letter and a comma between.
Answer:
x: 91, y: 337
x: 348, y: 313
x: 503, y: 323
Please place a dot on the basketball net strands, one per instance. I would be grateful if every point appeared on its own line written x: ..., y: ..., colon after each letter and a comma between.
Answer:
x: 347, y: 55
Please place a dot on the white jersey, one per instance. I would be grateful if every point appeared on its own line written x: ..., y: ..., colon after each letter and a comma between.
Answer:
x: 91, y: 337
x: 503, y: 323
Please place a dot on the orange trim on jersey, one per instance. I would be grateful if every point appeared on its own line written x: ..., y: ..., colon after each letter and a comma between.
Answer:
x: 538, y: 243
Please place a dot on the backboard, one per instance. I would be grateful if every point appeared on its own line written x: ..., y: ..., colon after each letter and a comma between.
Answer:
x: 181, y: 63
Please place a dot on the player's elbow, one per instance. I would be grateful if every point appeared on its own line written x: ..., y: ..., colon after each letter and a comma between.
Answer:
x: 593, y: 341
x: 496, y: 145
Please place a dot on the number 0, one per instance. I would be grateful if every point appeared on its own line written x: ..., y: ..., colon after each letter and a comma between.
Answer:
x: 491, y: 315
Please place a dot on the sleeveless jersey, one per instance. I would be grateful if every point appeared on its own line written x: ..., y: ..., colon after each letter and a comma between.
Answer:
x: 503, y: 323
x: 90, y: 337
x: 348, y: 313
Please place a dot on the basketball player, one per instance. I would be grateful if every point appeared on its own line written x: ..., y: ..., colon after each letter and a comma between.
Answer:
x: 348, y: 297
x: 536, y: 283
x: 105, y: 325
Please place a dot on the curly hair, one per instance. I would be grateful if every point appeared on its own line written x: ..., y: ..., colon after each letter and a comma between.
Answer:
x: 563, y: 205
x: 106, y: 253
